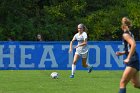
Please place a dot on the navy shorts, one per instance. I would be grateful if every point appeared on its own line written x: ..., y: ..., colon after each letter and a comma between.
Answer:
x: 134, y: 62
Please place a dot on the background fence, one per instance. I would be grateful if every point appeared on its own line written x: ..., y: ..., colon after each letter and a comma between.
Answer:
x: 54, y: 55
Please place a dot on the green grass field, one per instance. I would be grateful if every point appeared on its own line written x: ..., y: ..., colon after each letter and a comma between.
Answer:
x: 39, y: 81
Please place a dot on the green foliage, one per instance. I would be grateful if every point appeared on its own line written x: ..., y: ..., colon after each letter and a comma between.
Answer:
x: 58, y: 19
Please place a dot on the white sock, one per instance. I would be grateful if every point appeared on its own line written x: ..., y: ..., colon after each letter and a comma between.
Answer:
x: 89, y: 66
x: 73, y: 69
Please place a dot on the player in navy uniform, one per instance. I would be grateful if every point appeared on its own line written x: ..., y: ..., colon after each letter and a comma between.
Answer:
x: 131, y: 72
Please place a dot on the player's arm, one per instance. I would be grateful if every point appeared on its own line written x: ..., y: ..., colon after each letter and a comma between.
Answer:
x: 132, y: 42
x: 71, y: 43
x: 82, y: 44
x: 120, y: 53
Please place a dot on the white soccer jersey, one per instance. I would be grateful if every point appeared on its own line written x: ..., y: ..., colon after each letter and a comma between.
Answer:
x: 80, y: 39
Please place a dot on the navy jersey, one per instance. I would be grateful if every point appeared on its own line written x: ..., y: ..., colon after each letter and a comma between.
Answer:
x: 134, y: 60
x: 126, y: 45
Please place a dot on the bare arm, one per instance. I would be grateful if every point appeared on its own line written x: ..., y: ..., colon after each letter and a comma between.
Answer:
x: 120, y: 53
x: 82, y: 44
x: 71, y: 43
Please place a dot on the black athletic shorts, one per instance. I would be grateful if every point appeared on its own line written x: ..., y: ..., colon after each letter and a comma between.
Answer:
x: 134, y: 62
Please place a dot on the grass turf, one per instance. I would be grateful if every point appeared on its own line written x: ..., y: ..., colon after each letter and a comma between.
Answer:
x: 39, y: 81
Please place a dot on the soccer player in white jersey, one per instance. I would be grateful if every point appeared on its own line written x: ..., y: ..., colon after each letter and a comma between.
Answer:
x: 81, y: 49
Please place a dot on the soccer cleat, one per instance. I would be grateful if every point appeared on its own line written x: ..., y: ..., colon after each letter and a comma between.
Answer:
x: 71, y: 76
x: 90, y: 69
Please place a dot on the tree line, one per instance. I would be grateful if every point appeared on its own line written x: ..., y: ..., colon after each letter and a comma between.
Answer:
x: 57, y: 20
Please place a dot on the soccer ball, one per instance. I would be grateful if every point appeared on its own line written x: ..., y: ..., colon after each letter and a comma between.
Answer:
x: 54, y: 75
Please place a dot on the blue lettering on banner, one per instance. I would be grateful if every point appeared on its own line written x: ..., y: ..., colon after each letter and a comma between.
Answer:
x: 54, y: 55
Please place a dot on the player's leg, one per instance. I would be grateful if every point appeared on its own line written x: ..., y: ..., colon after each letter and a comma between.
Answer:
x: 136, y: 80
x: 76, y: 57
x: 84, y: 63
x: 128, y: 73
